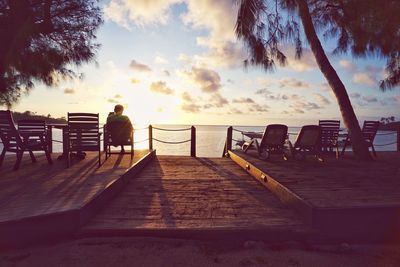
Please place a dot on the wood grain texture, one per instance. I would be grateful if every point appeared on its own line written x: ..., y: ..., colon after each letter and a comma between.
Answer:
x: 186, y: 193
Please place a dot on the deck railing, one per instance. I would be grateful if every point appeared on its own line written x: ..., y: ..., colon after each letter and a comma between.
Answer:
x: 230, y: 139
x: 192, y: 139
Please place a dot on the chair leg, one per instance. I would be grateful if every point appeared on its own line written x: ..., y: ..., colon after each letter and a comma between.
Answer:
x: 337, y: 152
x: 132, y: 151
x: 99, y: 157
x: 19, y: 158
x: 48, y: 156
x: 373, y: 150
x: 32, y: 156
x: 2, y: 156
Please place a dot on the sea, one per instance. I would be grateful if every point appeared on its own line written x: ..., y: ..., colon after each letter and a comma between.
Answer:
x: 210, y: 139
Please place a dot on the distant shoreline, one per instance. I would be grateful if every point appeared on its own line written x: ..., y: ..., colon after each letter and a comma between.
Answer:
x: 392, y: 126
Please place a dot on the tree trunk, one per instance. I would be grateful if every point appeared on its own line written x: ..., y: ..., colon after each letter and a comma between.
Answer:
x: 359, y: 145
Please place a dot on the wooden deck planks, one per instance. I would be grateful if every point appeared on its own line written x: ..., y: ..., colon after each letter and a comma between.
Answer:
x: 192, y: 193
x: 38, y: 188
x: 343, y: 183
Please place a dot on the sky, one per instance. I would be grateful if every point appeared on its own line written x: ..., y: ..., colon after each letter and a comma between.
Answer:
x: 179, y: 62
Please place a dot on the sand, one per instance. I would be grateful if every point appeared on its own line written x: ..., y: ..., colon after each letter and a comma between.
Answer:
x: 133, y: 251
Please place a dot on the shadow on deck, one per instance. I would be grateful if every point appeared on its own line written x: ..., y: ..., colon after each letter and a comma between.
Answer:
x: 41, y: 201
x: 343, y: 199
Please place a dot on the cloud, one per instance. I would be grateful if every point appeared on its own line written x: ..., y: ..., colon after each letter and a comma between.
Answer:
x: 138, y: 12
x: 139, y: 66
x: 243, y: 100
x: 217, y: 100
x: 112, y: 100
x: 187, y: 97
x: 347, y: 65
x: 160, y: 60
x: 135, y: 81
x: 322, y: 100
x: 235, y: 111
x: 258, y: 108
x: 355, y: 95
x: 161, y: 88
x: 191, y: 107
x: 167, y: 73
x: 287, y: 82
x: 69, y: 91
x: 370, y: 99
x: 301, y: 105
x: 208, y: 80
x: 364, y: 79
x: 117, y: 96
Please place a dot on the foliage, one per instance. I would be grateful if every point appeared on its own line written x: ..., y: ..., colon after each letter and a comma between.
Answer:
x: 386, y: 120
x: 30, y: 115
x: 362, y: 27
x: 41, y: 40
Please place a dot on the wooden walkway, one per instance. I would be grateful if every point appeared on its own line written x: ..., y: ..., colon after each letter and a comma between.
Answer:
x: 38, y: 195
x: 196, y: 197
x: 342, y: 194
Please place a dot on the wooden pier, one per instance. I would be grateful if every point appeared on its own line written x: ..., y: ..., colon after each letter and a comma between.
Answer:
x: 345, y: 198
x: 241, y: 197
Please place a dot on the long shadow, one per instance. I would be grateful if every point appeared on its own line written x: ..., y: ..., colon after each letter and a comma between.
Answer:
x: 237, y: 180
x: 135, y: 201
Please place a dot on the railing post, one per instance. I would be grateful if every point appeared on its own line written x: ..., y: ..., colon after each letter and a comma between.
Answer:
x: 49, y: 138
x: 228, y: 143
x: 193, y: 141
x: 150, y: 137
x: 398, y: 139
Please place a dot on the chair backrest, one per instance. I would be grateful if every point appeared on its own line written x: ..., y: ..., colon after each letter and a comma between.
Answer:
x: 8, y: 132
x: 119, y: 132
x: 329, y: 132
x: 309, y: 137
x: 369, y: 130
x: 274, y: 135
x: 83, y: 130
x: 38, y: 126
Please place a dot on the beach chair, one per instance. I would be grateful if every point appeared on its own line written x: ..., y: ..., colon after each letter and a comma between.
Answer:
x: 272, y: 141
x: 329, y: 136
x: 83, y: 135
x: 369, y: 130
x: 307, y: 142
x: 32, y: 137
x: 118, y: 133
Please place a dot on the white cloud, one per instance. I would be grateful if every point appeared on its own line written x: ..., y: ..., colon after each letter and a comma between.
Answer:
x: 139, y: 12
x: 364, y: 79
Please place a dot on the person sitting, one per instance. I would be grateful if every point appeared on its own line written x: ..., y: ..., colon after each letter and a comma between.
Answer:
x: 119, y: 126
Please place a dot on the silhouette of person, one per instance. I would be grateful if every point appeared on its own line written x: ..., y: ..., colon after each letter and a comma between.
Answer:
x: 122, y: 128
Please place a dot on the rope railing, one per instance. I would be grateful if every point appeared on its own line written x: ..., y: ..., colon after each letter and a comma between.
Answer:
x: 171, y: 130
x: 388, y: 144
x: 171, y: 142
x: 141, y: 129
x: 393, y: 132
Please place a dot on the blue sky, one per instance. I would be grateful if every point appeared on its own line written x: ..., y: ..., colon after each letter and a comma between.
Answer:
x: 178, y: 61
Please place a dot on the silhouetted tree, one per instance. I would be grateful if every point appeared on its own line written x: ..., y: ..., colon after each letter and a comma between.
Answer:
x: 362, y: 27
x: 41, y: 40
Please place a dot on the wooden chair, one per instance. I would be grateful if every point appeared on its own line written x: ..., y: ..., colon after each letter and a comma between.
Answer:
x: 118, y: 133
x: 32, y: 137
x: 307, y: 142
x: 369, y: 130
x: 329, y: 136
x: 83, y: 134
x: 272, y: 141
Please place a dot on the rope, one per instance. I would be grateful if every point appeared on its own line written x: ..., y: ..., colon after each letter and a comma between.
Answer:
x: 386, y: 133
x: 388, y: 144
x: 233, y: 129
x: 173, y: 143
x: 57, y: 141
x: 171, y: 130
x: 141, y: 141
x: 237, y: 140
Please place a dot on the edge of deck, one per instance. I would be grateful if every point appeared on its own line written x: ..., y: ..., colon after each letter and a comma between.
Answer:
x: 55, y: 225
x: 372, y: 223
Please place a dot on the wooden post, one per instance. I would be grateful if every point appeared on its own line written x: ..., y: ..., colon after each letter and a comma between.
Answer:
x: 193, y: 141
x: 228, y: 144
x: 398, y: 139
x: 150, y: 137
x: 49, y: 138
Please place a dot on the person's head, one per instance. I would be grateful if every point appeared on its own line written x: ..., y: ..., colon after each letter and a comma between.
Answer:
x: 118, y: 109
